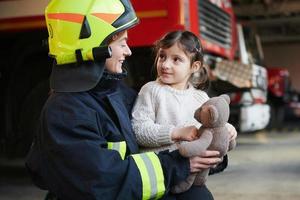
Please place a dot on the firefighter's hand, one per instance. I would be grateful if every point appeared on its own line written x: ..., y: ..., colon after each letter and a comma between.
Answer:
x: 206, y: 160
x: 232, y: 131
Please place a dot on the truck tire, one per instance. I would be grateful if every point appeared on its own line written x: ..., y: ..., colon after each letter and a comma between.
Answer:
x: 276, y: 117
x: 280, y: 113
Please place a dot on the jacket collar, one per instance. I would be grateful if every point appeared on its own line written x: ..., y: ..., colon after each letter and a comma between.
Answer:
x: 109, y: 80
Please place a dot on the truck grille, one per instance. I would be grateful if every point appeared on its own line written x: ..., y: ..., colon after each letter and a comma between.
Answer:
x: 214, y: 24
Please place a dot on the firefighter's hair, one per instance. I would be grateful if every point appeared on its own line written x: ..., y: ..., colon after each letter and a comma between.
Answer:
x: 192, y: 47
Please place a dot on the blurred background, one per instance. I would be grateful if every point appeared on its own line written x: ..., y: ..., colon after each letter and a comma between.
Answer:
x: 251, y: 51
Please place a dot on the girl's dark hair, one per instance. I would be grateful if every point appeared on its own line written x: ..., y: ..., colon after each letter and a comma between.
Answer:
x: 192, y: 47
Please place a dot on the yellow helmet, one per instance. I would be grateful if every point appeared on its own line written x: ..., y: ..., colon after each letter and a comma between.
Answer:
x: 80, y: 29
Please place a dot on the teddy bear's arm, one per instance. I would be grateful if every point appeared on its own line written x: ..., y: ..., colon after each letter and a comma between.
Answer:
x: 232, y: 144
x: 196, y: 147
x: 232, y: 133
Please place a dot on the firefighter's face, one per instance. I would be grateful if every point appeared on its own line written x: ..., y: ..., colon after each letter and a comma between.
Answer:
x: 174, y: 67
x: 119, y: 50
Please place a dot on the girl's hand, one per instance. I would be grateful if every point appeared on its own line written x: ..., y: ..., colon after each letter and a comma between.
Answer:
x: 232, y: 131
x: 188, y: 133
x: 206, y: 160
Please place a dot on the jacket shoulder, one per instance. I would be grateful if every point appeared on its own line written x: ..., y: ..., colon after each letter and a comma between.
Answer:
x: 75, y: 105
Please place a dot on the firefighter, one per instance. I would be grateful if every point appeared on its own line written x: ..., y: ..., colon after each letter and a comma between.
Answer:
x: 85, y: 147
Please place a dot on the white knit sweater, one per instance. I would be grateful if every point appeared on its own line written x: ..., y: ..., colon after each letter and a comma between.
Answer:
x: 159, y: 109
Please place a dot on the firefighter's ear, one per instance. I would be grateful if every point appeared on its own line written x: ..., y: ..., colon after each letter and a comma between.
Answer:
x: 196, y: 66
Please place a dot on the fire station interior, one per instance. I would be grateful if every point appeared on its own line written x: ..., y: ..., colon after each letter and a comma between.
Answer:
x: 272, y: 28
x: 265, y: 165
x: 277, y: 23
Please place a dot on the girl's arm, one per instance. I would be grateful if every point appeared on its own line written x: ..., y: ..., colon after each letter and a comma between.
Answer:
x: 147, y: 131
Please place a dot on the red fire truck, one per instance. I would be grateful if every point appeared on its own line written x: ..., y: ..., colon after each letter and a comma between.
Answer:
x: 283, y: 99
x: 278, y: 94
x: 214, y: 22
x: 25, y: 66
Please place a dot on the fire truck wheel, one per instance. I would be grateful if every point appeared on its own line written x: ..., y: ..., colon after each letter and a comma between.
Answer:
x: 277, y: 117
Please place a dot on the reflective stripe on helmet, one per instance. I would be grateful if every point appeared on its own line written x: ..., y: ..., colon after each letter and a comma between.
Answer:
x: 70, y: 17
x: 152, y: 175
x: 118, y: 146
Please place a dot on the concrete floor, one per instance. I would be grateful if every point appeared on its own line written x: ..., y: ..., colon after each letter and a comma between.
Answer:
x: 264, y: 166
x: 15, y: 183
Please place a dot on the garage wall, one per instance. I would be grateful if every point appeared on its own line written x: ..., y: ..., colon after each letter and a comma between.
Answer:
x: 284, y: 55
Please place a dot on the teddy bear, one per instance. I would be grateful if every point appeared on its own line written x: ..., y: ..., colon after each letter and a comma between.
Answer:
x: 213, y: 115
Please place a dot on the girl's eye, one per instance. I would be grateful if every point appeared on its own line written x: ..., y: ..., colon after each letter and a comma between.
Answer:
x: 176, y: 59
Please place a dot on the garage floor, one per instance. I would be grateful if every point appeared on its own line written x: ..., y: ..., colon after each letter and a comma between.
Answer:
x: 264, y: 166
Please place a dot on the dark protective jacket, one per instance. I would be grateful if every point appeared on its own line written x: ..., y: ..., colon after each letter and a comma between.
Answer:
x: 73, y: 154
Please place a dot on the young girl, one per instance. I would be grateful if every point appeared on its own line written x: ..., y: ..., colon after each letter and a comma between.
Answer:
x: 164, y: 110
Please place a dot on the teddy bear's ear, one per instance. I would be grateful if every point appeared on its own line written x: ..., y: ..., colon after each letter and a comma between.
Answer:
x: 226, y: 97
x: 213, y: 114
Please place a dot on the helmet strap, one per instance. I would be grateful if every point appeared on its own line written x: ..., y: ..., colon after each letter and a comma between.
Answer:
x: 79, y: 57
x: 101, y: 53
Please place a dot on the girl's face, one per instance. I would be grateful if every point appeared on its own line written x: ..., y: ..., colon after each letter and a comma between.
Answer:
x: 119, y: 50
x: 174, y: 67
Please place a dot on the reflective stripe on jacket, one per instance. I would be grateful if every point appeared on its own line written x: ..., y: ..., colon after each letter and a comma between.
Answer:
x: 119, y: 147
x: 152, y: 175
x: 150, y: 170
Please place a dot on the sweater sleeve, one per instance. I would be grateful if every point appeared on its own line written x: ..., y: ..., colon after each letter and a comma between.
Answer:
x: 147, y: 131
